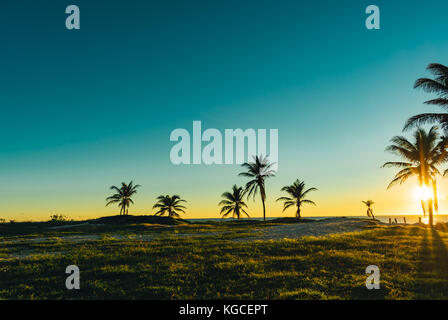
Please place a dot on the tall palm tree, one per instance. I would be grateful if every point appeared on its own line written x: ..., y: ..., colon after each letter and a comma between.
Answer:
x: 369, y: 204
x: 258, y: 171
x: 171, y: 205
x: 297, y: 194
x: 233, y: 203
x: 422, y: 156
x: 439, y: 86
x: 122, y: 196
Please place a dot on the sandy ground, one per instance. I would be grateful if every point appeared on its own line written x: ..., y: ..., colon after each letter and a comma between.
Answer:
x: 288, y: 231
x: 317, y: 229
x: 70, y: 226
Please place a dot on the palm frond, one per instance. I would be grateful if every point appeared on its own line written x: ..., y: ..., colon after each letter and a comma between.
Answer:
x: 425, y: 118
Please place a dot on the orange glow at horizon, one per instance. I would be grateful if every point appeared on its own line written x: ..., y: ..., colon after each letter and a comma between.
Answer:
x: 332, y: 200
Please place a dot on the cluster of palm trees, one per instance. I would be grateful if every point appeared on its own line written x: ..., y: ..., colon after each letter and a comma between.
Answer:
x: 427, y: 150
x: 170, y: 205
x: 233, y: 202
x: 422, y: 157
x: 258, y: 171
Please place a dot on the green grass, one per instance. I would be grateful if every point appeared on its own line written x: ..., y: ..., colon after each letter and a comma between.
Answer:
x: 203, y: 261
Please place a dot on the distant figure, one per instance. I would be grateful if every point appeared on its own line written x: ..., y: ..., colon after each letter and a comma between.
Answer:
x: 419, y: 220
x: 369, y: 204
x: 390, y: 220
x: 396, y: 222
x: 404, y: 219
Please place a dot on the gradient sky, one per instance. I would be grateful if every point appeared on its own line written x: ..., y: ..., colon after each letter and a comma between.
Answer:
x: 83, y: 110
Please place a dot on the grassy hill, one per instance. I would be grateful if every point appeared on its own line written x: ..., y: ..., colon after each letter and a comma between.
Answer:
x: 134, y: 258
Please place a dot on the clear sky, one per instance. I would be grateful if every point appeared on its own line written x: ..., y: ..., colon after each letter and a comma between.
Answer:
x: 85, y: 109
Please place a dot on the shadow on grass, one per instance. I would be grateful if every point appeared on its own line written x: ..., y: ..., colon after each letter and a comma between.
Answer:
x: 362, y: 293
x: 432, y: 267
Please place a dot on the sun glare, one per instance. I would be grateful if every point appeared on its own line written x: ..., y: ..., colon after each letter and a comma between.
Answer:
x: 423, y: 193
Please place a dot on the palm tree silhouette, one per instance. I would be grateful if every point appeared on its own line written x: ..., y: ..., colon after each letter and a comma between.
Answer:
x: 422, y: 156
x: 439, y: 86
x: 258, y: 171
x: 123, y: 196
x: 298, y: 193
x: 233, y: 203
x: 170, y: 205
x: 369, y: 204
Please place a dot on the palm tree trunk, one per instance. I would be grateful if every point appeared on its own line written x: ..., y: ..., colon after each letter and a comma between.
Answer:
x: 264, y: 209
x: 423, y: 207
x: 431, y: 219
x: 434, y: 190
x: 298, y: 213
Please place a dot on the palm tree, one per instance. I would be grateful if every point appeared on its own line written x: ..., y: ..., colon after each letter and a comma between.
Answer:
x: 122, y: 196
x: 439, y: 86
x: 369, y: 204
x: 422, y: 157
x: 233, y: 203
x: 298, y: 193
x: 258, y: 171
x: 170, y: 205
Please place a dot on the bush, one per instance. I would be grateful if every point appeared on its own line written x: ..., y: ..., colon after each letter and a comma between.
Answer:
x: 58, y: 218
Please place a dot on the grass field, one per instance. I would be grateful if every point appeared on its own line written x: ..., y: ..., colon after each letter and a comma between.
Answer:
x: 140, y: 260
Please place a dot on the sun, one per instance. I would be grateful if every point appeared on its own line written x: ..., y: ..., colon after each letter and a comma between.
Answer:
x: 423, y: 193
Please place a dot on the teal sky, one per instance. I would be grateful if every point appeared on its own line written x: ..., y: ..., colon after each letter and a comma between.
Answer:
x: 84, y: 109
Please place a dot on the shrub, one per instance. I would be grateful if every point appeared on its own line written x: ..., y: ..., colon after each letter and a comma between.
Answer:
x: 58, y: 218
